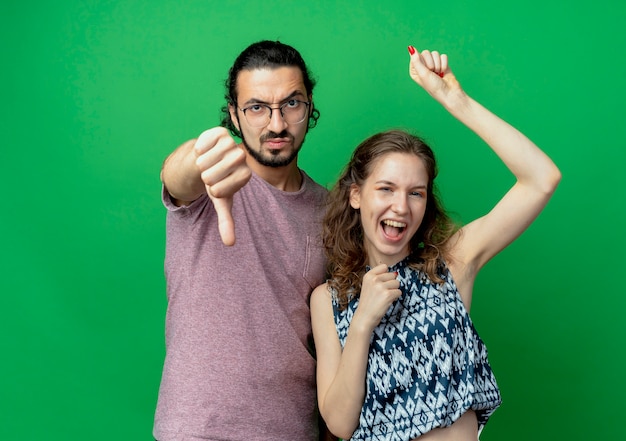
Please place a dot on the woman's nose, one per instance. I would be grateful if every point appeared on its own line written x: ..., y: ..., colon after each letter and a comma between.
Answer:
x: 400, y: 204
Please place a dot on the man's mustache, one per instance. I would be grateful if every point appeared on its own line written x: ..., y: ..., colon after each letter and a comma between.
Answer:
x: 274, y: 135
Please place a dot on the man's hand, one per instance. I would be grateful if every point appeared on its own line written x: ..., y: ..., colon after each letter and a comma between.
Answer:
x: 223, y: 169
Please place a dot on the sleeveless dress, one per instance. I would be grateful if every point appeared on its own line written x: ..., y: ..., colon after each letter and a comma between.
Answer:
x: 427, y: 365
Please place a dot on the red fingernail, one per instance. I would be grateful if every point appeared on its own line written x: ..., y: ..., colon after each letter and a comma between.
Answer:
x: 440, y: 74
x: 411, y: 50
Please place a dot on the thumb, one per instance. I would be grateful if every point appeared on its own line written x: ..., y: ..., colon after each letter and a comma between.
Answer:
x: 381, y: 268
x: 419, y: 72
x: 225, y: 221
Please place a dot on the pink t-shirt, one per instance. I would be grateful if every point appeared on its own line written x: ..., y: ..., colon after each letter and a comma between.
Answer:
x: 239, y: 363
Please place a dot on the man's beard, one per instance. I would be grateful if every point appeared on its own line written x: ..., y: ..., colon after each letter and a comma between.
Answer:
x: 274, y: 160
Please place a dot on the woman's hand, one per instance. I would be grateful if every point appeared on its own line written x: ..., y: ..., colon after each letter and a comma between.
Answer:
x: 431, y: 71
x: 379, y: 290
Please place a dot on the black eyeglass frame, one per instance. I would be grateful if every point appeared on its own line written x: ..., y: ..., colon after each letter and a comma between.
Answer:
x: 271, y: 109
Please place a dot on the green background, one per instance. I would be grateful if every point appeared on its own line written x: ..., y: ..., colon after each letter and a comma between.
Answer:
x: 97, y: 93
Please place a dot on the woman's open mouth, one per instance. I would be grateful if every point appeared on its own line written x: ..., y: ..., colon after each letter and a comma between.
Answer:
x: 393, y: 228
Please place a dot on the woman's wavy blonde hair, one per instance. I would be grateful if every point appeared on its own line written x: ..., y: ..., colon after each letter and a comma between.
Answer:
x: 342, y: 232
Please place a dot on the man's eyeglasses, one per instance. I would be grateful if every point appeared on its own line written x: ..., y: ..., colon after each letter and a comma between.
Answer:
x: 292, y: 111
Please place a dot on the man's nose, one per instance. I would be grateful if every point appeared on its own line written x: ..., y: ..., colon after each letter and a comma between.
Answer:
x: 277, y: 123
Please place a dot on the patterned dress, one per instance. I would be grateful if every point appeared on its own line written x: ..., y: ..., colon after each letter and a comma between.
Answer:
x: 427, y: 365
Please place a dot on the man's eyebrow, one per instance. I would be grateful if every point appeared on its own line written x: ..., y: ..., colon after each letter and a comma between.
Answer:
x: 294, y: 94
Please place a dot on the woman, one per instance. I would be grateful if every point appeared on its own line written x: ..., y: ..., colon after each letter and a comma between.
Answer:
x: 397, y: 354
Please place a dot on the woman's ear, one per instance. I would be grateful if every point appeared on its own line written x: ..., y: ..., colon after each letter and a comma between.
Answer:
x: 355, y: 196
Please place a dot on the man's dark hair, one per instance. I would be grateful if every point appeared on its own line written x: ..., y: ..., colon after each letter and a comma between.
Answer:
x: 260, y: 55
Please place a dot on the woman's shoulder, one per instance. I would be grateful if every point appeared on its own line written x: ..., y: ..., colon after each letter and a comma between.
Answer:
x: 322, y: 303
x: 325, y: 294
x: 322, y: 293
x: 323, y: 288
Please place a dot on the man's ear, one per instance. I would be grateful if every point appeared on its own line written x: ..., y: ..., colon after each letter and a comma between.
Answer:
x: 355, y: 196
x: 233, y: 116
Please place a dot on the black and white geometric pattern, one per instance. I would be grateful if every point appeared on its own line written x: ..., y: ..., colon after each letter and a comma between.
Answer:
x: 427, y: 365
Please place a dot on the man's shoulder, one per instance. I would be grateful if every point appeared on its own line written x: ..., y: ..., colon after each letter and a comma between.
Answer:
x: 312, y: 184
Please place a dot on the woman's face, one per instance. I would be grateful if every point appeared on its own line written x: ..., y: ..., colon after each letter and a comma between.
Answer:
x: 392, y: 203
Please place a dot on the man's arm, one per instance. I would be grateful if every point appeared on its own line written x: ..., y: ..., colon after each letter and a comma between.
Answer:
x: 181, y: 176
x: 214, y: 164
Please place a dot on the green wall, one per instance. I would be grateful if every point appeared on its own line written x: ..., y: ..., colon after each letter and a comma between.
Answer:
x: 97, y: 93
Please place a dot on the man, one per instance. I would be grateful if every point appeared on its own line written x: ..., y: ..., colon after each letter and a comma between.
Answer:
x: 242, y: 257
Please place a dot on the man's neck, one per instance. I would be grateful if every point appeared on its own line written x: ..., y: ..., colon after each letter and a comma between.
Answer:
x: 287, y: 178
